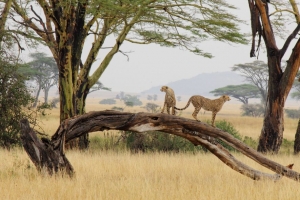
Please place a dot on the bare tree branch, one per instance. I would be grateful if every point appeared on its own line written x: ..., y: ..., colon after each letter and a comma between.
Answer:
x: 196, y: 132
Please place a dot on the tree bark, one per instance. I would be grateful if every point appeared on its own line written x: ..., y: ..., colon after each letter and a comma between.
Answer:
x: 196, y: 132
x: 37, y: 96
x: 280, y: 82
x: 297, y: 140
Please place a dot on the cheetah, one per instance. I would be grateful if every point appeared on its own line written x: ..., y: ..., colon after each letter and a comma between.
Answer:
x: 170, y: 100
x: 213, y: 105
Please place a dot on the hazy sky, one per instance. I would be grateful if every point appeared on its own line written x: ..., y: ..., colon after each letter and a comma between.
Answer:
x: 152, y: 65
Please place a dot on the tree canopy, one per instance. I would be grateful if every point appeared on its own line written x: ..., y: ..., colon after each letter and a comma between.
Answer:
x: 71, y: 27
x: 256, y: 73
x: 45, y: 74
x: 240, y: 92
x: 66, y: 25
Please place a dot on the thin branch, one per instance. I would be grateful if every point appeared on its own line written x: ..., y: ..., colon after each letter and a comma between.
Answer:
x: 288, y: 41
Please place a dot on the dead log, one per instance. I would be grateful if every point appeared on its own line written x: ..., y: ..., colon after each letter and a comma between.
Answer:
x: 43, y: 154
x: 50, y: 154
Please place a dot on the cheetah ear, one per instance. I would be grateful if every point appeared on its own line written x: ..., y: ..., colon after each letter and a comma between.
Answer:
x: 166, y: 87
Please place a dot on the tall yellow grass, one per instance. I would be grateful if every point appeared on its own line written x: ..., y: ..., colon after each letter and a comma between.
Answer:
x: 108, y: 175
x: 122, y: 175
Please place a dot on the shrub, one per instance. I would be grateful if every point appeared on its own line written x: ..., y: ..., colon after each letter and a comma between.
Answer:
x: 253, y: 110
x: 152, y: 107
x: 249, y: 141
x: 158, y: 141
x: 107, y: 101
x: 15, y: 103
x: 130, y: 100
x: 117, y: 108
x: 228, y: 127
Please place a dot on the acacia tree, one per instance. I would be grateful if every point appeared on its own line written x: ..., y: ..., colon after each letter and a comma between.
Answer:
x: 280, y: 80
x: 255, y: 73
x: 46, y: 74
x: 242, y: 92
x: 66, y: 25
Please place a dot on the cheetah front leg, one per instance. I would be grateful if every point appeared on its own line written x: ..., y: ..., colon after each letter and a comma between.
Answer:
x: 168, y: 109
x: 163, y: 109
x: 213, y: 117
x: 195, y: 113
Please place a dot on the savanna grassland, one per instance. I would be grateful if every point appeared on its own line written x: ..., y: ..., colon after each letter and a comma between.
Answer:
x: 120, y: 174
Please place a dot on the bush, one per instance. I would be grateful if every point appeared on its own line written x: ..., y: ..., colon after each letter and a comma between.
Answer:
x: 228, y: 127
x: 152, y: 107
x: 108, y: 142
x: 130, y: 100
x: 15, y: 103
x: 249, y: 141
x: 107, y: 101
x: 159, y: 142
x: 253, y: 110
x: 292, y: 113
x: 164, y: 142
x: 117, y: 108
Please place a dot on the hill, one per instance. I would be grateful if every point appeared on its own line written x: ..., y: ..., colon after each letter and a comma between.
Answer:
x: 201, y: 84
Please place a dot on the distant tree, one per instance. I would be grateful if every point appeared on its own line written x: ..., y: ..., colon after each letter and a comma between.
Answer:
x: 45, y: 76
x: 253, y: 110
x: 149, y: 97
x: 292, y: 113
x: 117, y: 96
x: 296, y: 86
x: 98, y: 86
x: 122, y: 95
x: 240, y: 92
x: 152, y: 107
x: 178, y: 98
x: 130, y: 100
x: 154, y: 97
x: 257, y: 74
x: 129, y: 103
x: 108, y: 101
x: 54, y: 102
x: 117, y: 108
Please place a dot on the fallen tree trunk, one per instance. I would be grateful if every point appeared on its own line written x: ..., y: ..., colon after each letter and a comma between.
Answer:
x: 50, y: 154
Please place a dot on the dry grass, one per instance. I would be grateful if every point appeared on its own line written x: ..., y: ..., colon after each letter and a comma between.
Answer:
x: 122, y: 175
x: 107, y: 175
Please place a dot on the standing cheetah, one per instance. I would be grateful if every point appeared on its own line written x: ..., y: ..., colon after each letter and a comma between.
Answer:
x: 170, y: 100
x: 199, y: 102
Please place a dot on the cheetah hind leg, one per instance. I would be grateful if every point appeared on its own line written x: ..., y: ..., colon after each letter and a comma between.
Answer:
x: 195, y: 113
x: 213, y: 117
x: 173, y: 111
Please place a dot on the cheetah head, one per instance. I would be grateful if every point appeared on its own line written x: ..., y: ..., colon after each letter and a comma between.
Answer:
x: 226, y: 98
x: 164, y: 88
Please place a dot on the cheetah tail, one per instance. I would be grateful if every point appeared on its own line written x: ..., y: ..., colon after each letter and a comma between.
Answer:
x: 187, y: 105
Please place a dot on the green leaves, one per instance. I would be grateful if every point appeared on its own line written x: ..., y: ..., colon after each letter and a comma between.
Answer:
x: 241, y: 92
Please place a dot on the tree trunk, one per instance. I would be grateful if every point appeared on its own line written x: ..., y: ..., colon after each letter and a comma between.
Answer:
x: 3, y: 19
x: 44, y: 155
x: 196, y: 132
x: 272, y: 131
x: 46, y: 92
x: 280, y: 83
x: 82, y: 93
x: 297, y: 140
x: 37, y: 96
